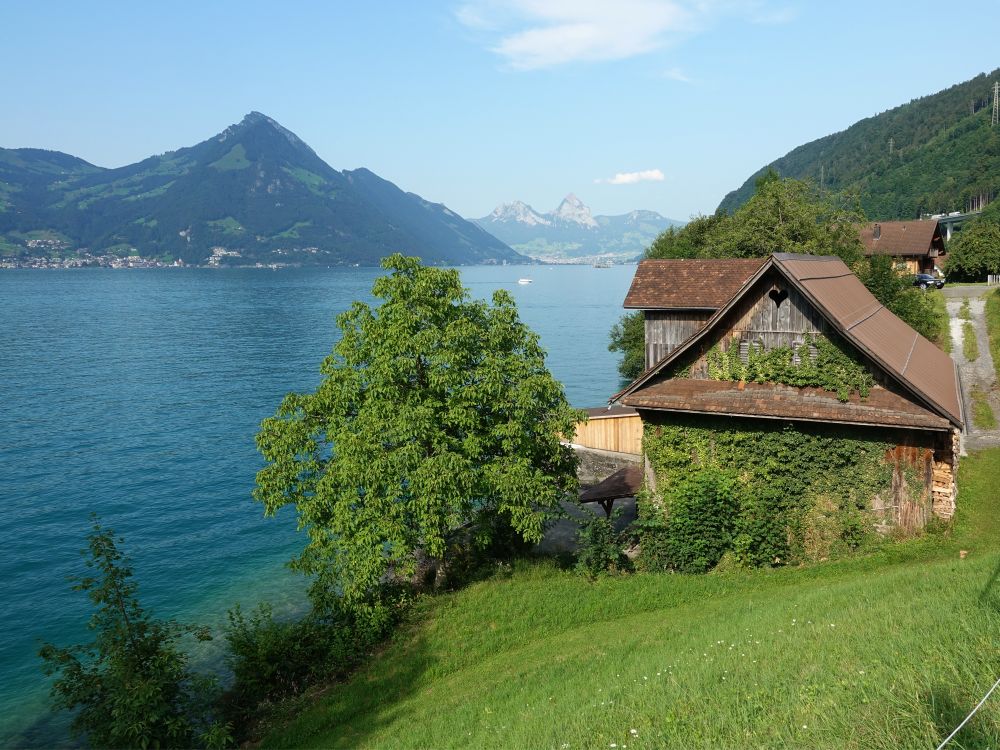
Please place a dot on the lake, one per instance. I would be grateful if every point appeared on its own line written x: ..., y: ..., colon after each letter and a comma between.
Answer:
x: 137, y: 394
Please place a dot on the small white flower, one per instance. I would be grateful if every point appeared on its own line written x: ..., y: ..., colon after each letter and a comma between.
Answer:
x: 633, y: 732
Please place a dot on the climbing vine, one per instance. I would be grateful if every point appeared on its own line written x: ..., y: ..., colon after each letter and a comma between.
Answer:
x: 818, y: 363
x: 793, y: 496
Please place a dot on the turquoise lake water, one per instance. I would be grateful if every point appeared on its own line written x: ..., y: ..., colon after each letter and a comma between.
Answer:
x: 137, y: 394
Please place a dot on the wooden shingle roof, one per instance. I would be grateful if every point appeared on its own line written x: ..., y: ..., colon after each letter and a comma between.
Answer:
x: 769, y: 400
x: 689, y: 284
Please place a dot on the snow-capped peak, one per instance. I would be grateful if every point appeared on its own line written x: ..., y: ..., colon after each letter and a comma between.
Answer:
x: 572, y: 209
x: 519, y: 212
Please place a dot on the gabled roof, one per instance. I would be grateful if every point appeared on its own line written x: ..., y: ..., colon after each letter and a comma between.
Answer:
x: 688, y: 284
x: 839, y: 296
x: 898, y: 238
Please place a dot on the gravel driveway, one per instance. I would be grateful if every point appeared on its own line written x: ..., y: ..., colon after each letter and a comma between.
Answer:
x: 979, y: 373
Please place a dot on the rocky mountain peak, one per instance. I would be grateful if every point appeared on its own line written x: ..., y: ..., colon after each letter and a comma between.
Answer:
x: 518, y: 211
x: 572, y: 209
x: 255, y: 120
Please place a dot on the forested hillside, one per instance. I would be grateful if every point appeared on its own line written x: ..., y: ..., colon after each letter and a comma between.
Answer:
x: 933, y: 155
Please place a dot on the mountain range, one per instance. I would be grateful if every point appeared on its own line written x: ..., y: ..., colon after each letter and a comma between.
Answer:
x: 936, y: 154
x: 572, y: 232
x: 253, y: 193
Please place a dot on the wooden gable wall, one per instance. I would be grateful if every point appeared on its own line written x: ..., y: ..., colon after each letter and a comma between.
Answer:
x: 772, y: 314
x: 668, y: 329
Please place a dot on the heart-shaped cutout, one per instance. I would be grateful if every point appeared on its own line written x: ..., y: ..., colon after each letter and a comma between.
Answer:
x: 778, y: 295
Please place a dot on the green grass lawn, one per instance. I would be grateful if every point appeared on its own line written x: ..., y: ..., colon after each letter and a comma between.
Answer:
x: 889, y: 650
x: 941, y: 312
x: 982, y: 413
x: 970, y: 346
x: 993, y: 327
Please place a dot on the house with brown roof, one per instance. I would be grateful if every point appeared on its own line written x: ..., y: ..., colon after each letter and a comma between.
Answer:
x: 709, y: 321
x: 915, y: 246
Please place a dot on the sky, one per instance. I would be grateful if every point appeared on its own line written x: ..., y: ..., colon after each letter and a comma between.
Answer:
x: 655, y: 104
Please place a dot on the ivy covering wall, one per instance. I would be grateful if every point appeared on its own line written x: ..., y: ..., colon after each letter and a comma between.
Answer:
x: 819, y: 363
x: 761, y: 494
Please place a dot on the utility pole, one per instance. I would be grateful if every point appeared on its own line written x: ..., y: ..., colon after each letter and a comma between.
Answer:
x: 996, y: 106
x: 891, y: 143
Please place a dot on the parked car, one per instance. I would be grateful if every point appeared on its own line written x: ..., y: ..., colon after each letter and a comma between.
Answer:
x: 926, y: 281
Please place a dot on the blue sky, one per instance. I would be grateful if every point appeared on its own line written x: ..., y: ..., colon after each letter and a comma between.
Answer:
x: 658, y: 104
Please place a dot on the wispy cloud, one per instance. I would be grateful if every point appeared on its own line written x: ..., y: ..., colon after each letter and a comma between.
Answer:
x: 544, y: 33
x: 534, y: 34
x: 676, y: 74
x: 773, y: 16
x: 630, y: 178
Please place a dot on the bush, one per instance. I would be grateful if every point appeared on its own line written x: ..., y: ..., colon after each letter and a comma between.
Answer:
x: 600, y: 547
x: 273, y: 660
x: 130, y: 687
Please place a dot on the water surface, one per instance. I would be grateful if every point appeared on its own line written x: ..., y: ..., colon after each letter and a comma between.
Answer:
x: 137, y: 394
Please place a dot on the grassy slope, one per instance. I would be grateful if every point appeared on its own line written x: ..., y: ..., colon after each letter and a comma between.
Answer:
x: 889, y: 650
x: 993, y: 327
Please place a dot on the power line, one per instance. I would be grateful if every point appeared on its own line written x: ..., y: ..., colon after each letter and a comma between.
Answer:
x: 947, y: 739
x: 996, y: 103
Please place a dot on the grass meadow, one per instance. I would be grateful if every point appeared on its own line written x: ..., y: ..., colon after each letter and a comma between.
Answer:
x: 888, y: 650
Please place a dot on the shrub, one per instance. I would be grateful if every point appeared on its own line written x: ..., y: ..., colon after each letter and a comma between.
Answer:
x: 131, y: 687
x: 600, y: 547
x: 273, y: 660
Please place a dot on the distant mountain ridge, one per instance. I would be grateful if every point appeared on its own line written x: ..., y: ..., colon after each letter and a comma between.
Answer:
x: 253, y: 193
x: 571, y: 231
x: 935, y: 154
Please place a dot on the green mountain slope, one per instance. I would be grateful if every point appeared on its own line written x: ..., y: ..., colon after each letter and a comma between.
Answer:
x: 255, y: 192
x: 944, y: 153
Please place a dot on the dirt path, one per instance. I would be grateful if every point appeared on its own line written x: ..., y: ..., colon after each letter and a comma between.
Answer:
x: 978, y: 373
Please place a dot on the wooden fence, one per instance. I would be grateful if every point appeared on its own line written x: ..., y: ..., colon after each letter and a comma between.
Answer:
x: 619, y: 430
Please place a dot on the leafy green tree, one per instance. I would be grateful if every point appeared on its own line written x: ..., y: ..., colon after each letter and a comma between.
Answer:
x: 894, y: 290
x: 628, y: 336
x: 690, y: 241
x: 436, y: 417
x: 131, y: 686
x: 788, y: 216
x: 975, y: 251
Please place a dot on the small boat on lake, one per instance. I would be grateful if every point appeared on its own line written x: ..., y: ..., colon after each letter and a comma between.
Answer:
x: 524, y: 281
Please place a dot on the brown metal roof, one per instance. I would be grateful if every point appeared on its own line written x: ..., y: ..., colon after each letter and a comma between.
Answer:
x: 623, y: 483
x: 913, y: 361
x: 898, y: 238
x: 771, y: 401
x: 691, y: 284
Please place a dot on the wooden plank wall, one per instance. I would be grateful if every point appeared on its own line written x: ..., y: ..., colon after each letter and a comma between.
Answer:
x: 666, y: 330
x: 758, y: 318
x: 622, y: 434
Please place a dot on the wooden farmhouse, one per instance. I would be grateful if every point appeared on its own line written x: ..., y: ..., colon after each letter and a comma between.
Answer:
x: 915, y: 246
x: 699, y: 309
